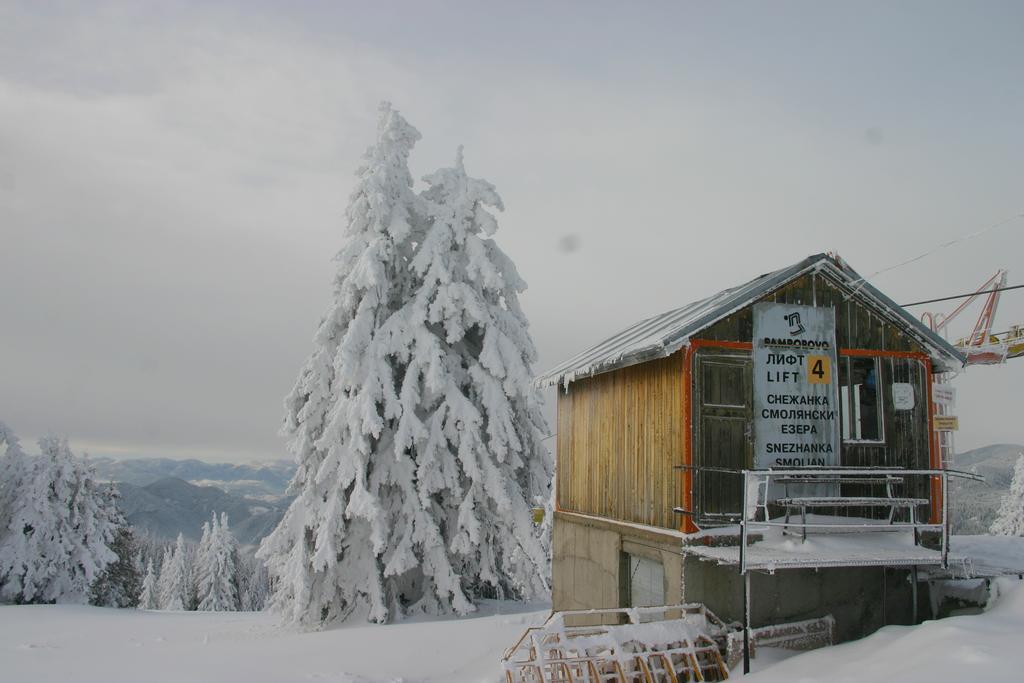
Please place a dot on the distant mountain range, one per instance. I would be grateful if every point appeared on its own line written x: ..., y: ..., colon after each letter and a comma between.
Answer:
x: 264, y: 480
x: 170, y: 506
x: 974, y: 505
x: 165, y: 497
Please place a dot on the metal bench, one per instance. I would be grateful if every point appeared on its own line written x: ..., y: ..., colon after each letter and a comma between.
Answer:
x: 837, y: 501
x: 888, y: 480
x: 890, y: 500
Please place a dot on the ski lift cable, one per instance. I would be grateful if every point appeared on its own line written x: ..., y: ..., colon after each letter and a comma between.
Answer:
x: 962, y: 296
x: 978, y: 233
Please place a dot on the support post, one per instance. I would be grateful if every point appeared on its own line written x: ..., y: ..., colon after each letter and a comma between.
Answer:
x: 746, y: 623
x: 745, y: 575
x: 913, y: 594
x: 743, y: 524
x: 945, y: 520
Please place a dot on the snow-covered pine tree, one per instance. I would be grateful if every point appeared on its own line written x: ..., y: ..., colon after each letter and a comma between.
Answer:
x: 174, y: 577
x: 471, y: 416
x: 329, y: 553
x: 191, y: 598
x: 162, y: 589
x: 218, y: 570
x: 61, y: 530
x: 414, y: 423
x: 14, y: 467
x: 149, y: 595
x: 150, y: 547
x: 120, y: 584
x: 253, y: 583
x: 1010, y: 518
x: 229, y: 546
x: 200, y: 563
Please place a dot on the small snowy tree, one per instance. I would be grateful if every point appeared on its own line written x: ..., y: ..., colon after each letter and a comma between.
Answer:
x: 120, y: 584
x: 174, y: 578
x: 253, y: 583
x: 167, y: 558
x: 199, y: 565
x: 149, y: 595
x: 414, y: 423
x: 217, y: 569
x: 61, y: 528
x: 14, y: 468
x: 1010, y: 518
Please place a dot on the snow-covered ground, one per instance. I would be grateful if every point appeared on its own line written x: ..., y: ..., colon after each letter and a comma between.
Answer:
x: 43, y: 644
x: 991, y: 555
x: 73, y: 644
x: 985, y: 648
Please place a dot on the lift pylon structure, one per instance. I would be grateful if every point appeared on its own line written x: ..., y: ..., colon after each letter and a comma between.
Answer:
x: 982, y: 346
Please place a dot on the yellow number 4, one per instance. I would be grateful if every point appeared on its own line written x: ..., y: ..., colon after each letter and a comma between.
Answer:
x: 819, y: 370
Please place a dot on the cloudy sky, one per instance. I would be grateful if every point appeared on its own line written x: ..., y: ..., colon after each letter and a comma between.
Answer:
x: 173, y: 178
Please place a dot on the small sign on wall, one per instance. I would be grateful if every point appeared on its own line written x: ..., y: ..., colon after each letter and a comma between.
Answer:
x: 946, y: 423
x: 902, y: 396
x: 944, y: 394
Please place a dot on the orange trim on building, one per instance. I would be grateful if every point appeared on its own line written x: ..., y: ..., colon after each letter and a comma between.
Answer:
x: 743, y: 346
x: 934, y: 455
x: 689, y: 523
x: 916, y: 355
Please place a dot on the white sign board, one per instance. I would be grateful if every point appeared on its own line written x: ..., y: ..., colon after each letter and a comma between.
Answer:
x: 944, y: 394
x: 796, y: 407
x: 902, y: 396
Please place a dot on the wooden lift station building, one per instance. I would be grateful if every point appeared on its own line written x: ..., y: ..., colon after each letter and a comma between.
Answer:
x: 768, y: 451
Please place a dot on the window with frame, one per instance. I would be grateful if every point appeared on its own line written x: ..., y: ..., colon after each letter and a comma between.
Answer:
x: 646, y: 582
x: 860, y: 396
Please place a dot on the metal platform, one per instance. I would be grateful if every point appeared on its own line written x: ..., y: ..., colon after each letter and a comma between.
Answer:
x: 855, y: 547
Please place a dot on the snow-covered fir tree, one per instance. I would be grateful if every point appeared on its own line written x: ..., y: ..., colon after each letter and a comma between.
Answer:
x: 202, y: 550
x: 120, y: 584
x: 204, y: 540
x: 149, y: 594
x: 253, y: 583
x: 167, y: 558
x: 414, y: 424
x: 61, y: 528
x: 472, y: 416
x: 14, y: 467
x: 217, y: 569
x: 326, y: 553
x: 1010, y: 518
x: 150, y: 547
x: 175, y: 577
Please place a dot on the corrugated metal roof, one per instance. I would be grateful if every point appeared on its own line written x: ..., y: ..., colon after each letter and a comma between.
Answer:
x: 663, y: 335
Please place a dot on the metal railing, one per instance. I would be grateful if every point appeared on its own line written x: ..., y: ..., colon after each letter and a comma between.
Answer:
x: 761, y: 481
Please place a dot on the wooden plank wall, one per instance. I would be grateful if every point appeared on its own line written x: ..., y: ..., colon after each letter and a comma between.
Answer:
x: 619, y: 436
x: 857, y: 326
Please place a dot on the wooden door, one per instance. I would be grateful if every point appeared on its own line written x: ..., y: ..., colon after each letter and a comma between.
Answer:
x: 724, y: 433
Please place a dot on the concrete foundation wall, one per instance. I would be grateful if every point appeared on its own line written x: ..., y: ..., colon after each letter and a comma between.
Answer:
x: 588, y: 572
x: 862, y: 599
x: 587, y: 561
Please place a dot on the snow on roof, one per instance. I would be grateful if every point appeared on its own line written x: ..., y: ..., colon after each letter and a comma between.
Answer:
x: 664, y: 334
